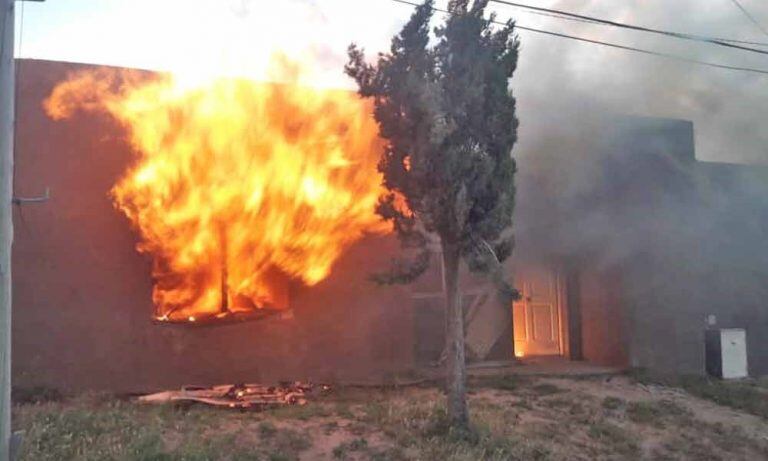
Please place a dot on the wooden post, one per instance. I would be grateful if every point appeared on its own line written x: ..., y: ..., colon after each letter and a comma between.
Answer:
x: 7, y: 88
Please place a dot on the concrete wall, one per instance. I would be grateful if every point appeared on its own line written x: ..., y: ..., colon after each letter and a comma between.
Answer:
x: 624, y: 203
x: 657, y: 241
x: 603, y: 319
x: 82, y: 302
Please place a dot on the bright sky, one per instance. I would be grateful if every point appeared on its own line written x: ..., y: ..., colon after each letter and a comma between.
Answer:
x: 231, y: 36
x: 238, y: 37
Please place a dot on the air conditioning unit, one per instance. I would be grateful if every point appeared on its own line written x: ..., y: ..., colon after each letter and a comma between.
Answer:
x: 726, y: 353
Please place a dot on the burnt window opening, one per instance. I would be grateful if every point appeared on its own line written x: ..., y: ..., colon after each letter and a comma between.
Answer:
x: 218, y: 303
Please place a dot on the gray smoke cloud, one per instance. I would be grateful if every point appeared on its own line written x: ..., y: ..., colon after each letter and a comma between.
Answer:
x: 559, y: 80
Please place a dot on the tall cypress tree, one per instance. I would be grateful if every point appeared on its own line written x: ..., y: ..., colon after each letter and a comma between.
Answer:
x: 446, y: 110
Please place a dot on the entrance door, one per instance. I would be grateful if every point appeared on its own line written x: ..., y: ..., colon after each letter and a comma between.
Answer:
x: 536, y: 314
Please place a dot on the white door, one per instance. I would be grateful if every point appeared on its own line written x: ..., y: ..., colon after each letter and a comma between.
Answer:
x: 536, y: 314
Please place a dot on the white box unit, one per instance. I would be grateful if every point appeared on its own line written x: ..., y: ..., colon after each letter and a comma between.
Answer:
x: 726, y: 353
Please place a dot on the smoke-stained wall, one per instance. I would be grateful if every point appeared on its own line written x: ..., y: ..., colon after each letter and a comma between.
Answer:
x: 648, y: 227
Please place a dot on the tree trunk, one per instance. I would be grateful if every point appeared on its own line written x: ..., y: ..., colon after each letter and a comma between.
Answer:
x: 456, y: 377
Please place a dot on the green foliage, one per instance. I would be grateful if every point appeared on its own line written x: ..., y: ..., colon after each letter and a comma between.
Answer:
x: 448, y: 116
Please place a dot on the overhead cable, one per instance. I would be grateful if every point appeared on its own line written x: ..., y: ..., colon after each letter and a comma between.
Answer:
x: 614, y: 45
x: 680, y: 35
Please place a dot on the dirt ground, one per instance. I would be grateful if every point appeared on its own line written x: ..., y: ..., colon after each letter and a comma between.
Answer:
x: 514, y: 417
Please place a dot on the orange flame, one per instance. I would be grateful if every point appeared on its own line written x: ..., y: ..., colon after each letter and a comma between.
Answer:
x: 236, y: 183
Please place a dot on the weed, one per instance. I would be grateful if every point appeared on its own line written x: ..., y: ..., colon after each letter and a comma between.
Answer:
x: 523, y: 403
x: 289, y: 441
x: 267, y: 430
x: 356, y: 445
x: 746, y: 396
x: 343, y: 410
x: 300, y: 412
x: 613, y: 403
x: 331, y: 427
x: 614, y: 437
x: 504, y: 382
x: 546, y: 389
x: 650, y: 413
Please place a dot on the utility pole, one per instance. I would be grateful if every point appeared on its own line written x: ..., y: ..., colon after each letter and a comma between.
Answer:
x: 7, y: 110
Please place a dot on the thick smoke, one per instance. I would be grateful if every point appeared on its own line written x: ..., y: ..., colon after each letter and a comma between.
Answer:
x: 558, y: 76
x: 560, y: 80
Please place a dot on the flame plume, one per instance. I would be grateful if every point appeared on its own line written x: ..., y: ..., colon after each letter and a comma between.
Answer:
x: 236, y: 183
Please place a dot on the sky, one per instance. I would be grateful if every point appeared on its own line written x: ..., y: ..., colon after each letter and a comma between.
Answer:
x: 556, y: 81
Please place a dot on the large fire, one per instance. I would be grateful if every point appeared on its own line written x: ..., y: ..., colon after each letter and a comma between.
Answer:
x: 236, y: 183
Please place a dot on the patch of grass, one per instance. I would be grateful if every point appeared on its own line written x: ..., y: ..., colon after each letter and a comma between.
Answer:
x: 388, y: 454
x: 300, y: 412
x: 290, y: 443
x: 36, y: 394
x: 421, y: 425
x: 570, y: 405
x: 54, y: 432
x: 657, y: 412
x: 503, y: 382
x: 746, y: 396
x: 267, y: 430
x: 94, y: 428
x: 523, y: 403
x: 537, y: 421
x: 330, y: 428
x: 546, y: 389
x: 373, y: 411
x: 356, y: 445
x: 649, y: 413
x: 614, y: 437
x: 343, y: 410
x: 712, y: 441
x: 613, y: 403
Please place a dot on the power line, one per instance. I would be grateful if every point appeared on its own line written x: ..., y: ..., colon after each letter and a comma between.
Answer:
x: 587, y: 21
x: 615, y: 45
x: 750, y: 17
x: 680, y: 35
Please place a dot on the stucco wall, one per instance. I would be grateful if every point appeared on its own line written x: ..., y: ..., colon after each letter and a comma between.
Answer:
x: 658, y: 241
x: 82, y: 303
x: 603, y: 321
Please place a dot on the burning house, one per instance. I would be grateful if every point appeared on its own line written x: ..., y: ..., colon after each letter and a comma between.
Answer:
x: 178, y: 215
